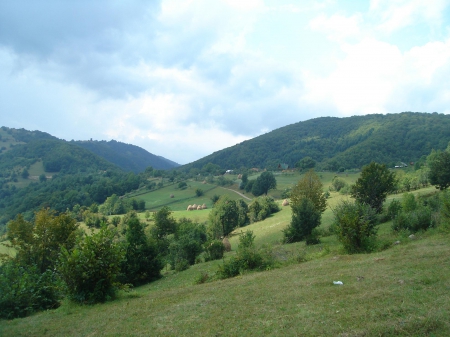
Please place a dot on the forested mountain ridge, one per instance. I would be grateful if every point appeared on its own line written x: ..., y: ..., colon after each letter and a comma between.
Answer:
x: 334, y: 143
x: 128, y: 157
x: 38, y: 170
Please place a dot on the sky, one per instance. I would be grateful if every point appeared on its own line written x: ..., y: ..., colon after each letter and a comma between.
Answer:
x: 183, y: 79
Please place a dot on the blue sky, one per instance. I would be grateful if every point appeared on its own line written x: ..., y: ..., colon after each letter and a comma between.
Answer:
x: 183, y: 79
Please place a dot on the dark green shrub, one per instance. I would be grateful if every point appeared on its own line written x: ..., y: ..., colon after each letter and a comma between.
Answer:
x: 409, y: 202
x: 394, y: 209
x: 24, y: 290
x: 417, y: 220
x: 142, y: 263
x: 247, y: 258
x: 261, y: 208
x: 355, y: 225
x: 90, y: 271
x: 214, y: 250
x: 305, y: 218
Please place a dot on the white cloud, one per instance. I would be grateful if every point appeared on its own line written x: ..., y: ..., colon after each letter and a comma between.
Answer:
x: 397, y: 14
x: 338, y: 27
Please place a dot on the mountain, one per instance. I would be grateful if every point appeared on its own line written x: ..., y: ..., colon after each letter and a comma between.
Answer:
x: 38, y: 170
x: 126, y: 156
x: 335, y: 143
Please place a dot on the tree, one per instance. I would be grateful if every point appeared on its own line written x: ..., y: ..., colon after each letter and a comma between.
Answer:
x: 305, y: 217
x: 439, y: 175
x: 355, y: 225
x: 142, y: 263
x: 223, y: 218
x: 373, y: 186
x: 308, y: 202
x: 309, y: 187
x: 39, y: 243
x: 306, y: 163
x: 165, y: 224
x: 91, y: 270
x: 265, y: 182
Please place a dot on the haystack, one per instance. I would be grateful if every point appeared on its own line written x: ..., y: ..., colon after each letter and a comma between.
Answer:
x: 285, y: 202
x: 240, y: 176
x: 226, y: 244
x: 204, y: 206
x: 189, y: 208
x: 172, y: 196
x: 199, y: 207
x: 194, y: 206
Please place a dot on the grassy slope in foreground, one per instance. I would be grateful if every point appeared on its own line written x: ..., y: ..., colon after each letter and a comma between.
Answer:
x: 404, y: 293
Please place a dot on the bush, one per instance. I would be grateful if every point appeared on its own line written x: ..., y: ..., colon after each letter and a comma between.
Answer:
x: 305, y: 218
x: 419, y: 219
x: 90, y: 271
x: 24, y: 290
x: 261, y: 208
x: 247, y: 258
x: 199, y: 192
x: 355, y: 225
x: 214, y: 250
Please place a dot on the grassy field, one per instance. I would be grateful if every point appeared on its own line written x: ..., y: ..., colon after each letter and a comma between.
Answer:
x: 400, y: 290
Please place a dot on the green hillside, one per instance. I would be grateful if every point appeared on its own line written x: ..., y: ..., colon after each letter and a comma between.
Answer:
x: 340, y: 142
x: 400, y: 290
x: 126, y: 156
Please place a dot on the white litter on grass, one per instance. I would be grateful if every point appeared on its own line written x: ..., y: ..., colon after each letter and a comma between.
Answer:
x: 338, y: 282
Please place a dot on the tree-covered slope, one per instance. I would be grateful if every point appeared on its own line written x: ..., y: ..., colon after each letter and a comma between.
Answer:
x: 68, y: 175
x: 128, y: 157
x: 340, y: 142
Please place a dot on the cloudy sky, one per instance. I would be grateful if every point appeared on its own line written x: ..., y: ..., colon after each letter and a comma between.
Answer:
x: 185, y: 78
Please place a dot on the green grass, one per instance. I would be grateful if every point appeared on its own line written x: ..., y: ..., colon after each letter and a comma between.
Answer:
x: 182, y: 198
x: 401, y: 290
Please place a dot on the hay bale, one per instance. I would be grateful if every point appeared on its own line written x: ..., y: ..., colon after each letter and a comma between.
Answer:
x: 226, y: 244
x: 172, y: 196
x: 204, y: 206
x: 199, y: 207
x: 239, y: 176
x: 189, y: 208
x: 285, y: 202
x: 194, y: 206
x: 204, y: 182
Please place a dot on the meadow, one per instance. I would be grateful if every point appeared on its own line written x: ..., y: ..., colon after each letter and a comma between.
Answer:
x: 399, y: 290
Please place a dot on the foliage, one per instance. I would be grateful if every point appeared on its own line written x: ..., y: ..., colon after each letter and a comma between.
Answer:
x: 394, y: 209
x: 338, y: 183
x: 336, y: 143
x: 243, y: 219
x: 90, y: 271
x: 305, y: 164
x: 355, y: 225
x: 39, y: 243
x: 142, y: 263
x: 265, y: 182
x: 223, y: 218
x: 418, y: 219
x: 214, y: 250
x: 186, y: 244
x: 24, y: 290
x: 373, y: 186
x: 247, y: 258
x: 261, y: 208
x: 409, y: 202
x: 199, y: 192
x: 439, y: 175
x: 165, y: 224
x: 309, y: 187
x: 305, y: 217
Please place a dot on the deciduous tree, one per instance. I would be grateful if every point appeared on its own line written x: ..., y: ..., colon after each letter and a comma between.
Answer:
x: 373, y: 186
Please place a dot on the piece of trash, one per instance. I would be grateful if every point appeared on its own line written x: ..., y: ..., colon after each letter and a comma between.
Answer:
x: 338, y: 282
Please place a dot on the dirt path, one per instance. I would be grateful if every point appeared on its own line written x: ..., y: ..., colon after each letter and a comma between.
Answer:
x: 243, y: 196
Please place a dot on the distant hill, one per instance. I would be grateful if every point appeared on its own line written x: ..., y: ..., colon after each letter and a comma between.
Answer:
x: 333, y: 142
x: 126, y: 156
x: 39, y: 170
